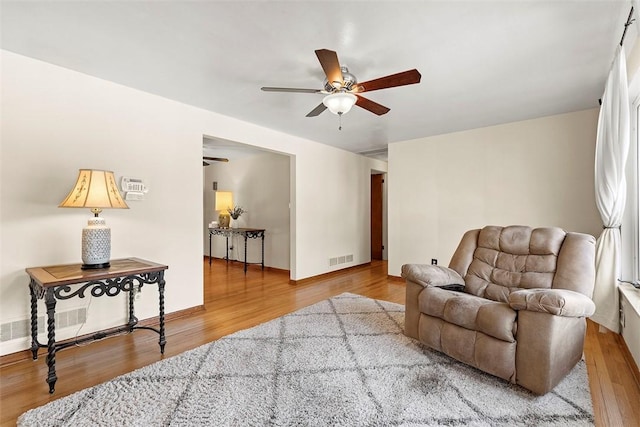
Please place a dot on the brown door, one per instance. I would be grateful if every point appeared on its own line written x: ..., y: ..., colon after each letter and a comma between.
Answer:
x: 376, y: 216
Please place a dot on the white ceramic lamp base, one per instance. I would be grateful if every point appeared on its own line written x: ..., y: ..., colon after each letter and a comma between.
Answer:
x: 96, y: 244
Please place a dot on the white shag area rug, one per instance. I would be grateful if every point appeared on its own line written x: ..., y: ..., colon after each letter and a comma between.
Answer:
x: 343, y: 361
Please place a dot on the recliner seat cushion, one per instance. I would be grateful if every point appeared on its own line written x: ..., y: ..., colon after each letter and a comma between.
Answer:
x: 492, y: 318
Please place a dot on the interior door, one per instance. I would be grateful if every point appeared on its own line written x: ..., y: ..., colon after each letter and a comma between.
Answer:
x: 376, y: 216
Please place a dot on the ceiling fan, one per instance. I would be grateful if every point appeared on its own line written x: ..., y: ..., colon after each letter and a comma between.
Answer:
x: 342, y: 90
x: 213, y: 159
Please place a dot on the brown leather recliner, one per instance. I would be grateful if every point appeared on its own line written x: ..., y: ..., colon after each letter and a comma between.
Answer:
x: 521, y: 313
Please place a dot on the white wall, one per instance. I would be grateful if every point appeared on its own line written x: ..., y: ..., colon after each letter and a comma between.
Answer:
x: 55, y: 121
x: 535, y: 172
x: 385, y: 228
x: 260, y: 185
x: 333, y: 198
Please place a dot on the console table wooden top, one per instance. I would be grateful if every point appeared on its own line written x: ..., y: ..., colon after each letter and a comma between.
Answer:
x: 69, y: 274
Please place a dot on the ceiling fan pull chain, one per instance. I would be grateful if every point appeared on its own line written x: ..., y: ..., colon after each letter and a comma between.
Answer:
x: 340, y: 121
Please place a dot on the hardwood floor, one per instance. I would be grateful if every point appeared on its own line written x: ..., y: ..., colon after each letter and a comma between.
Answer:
x: 234, y: 301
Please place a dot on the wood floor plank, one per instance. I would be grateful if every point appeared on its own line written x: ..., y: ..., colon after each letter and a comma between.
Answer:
x: 609, y: 401
x: 235, y: 301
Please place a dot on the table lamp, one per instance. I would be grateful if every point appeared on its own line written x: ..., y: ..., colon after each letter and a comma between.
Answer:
x: 97, y: 190
x: 224, y: 201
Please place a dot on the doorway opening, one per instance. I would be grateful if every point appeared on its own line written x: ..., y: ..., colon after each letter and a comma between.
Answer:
x: 260, y: 183
x: 378, y: 216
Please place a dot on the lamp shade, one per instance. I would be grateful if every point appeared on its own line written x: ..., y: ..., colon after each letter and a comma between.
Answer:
x: 339, y: 103
x: 224, y: 200
x: 94, y: 189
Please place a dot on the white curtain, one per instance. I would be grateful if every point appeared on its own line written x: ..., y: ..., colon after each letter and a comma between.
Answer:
x: 612, y: 148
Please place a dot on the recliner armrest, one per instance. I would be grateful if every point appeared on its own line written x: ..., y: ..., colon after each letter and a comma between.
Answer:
x: 431, y: 275
x: 560, y: 302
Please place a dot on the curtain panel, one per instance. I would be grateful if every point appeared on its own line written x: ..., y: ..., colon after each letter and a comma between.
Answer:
x: 612, y: 148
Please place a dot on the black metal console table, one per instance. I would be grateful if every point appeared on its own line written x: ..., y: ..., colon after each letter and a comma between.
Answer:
x: 54, y: 283
x: 248, y: 233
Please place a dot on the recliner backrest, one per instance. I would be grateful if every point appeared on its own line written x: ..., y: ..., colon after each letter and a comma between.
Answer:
x: 496, y: 261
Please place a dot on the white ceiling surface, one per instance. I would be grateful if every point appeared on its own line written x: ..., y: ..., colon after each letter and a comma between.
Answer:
x: 482, y: 62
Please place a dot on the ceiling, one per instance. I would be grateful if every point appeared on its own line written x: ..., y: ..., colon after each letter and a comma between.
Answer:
x: 482, y: 62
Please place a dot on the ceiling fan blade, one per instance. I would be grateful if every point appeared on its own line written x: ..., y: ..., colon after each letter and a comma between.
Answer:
x: 400, y: 79
x: 289, y: 89
x: 331, y: 66
x: 374, y: 107
x: 316, y: 111
x: 215, y: 159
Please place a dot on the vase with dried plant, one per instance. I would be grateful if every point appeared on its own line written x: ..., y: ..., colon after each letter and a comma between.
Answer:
x: 235, y: 213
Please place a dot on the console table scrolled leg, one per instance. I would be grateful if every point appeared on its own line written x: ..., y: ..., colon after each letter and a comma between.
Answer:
x: 245, y: 253
x: 50, y: 301
x: 263, y: 250
x: 161, y: 283
x: 34, y: 320
x: 133, y: 320
x: 209, y: 248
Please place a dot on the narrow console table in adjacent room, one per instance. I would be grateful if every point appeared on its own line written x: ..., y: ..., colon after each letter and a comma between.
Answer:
x: 247, y: 233
x: 55, y: 283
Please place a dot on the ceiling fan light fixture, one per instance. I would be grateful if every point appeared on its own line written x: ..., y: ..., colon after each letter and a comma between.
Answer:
x: 339, y: 103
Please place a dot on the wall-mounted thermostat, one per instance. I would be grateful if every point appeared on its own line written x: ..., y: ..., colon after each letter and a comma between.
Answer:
x: 133, y: 188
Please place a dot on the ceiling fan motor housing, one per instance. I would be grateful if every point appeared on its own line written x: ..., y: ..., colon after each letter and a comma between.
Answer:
x: 348, y: 79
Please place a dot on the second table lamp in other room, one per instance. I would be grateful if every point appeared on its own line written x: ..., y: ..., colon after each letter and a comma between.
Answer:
x: 224, y: 201
x: 96, y: 190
